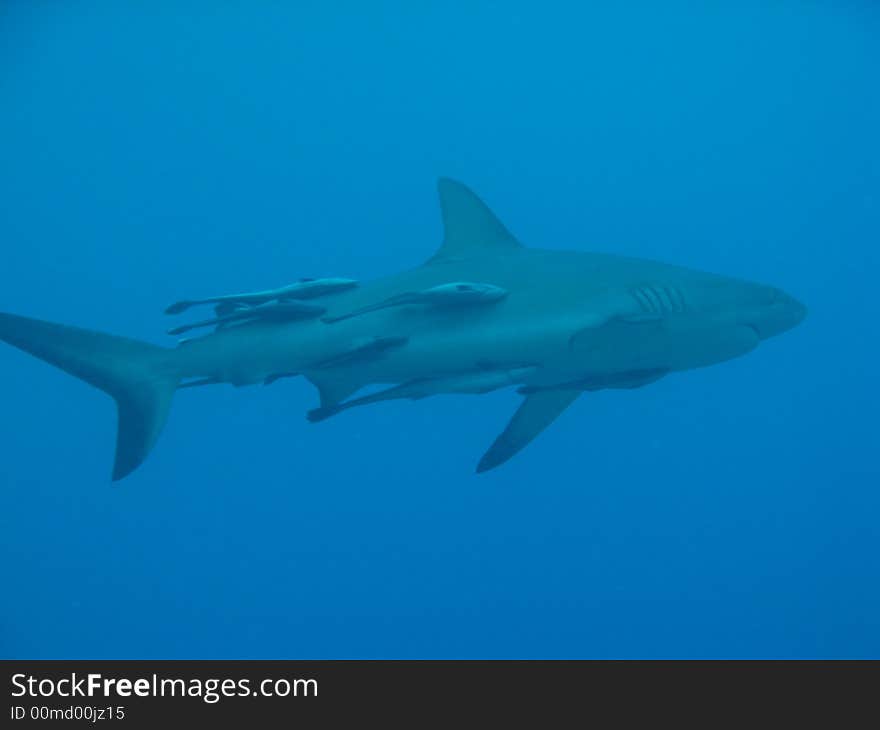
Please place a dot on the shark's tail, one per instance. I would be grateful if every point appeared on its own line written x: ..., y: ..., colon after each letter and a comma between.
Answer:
x: 140, y: 377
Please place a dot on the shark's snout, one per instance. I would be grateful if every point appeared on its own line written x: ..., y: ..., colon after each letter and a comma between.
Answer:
x: 782, y: 313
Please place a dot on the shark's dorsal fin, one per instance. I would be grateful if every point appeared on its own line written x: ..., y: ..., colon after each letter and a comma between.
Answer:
x: 470, y: 228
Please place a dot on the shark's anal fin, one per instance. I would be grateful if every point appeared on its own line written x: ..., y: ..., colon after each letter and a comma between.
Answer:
x: 535, y: 413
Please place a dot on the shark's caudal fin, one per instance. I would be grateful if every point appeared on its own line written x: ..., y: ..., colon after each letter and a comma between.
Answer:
x: 537, y: 411
x: 137, y: 375
x: 470, y: 228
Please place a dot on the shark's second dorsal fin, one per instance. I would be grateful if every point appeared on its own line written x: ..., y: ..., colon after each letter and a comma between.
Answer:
x: 470, y: 228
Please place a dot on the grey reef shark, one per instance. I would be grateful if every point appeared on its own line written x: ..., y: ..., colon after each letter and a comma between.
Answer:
x: 483, y: 313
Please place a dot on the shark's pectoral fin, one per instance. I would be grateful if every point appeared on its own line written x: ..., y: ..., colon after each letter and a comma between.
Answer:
x: 535, y: 413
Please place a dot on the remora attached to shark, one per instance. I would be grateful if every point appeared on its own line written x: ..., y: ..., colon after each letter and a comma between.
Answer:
x: 483, y: 313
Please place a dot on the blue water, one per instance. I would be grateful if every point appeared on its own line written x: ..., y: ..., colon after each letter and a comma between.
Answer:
x: 157, y: 151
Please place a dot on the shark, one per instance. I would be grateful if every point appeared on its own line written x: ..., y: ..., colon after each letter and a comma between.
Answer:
x: 484, y: 312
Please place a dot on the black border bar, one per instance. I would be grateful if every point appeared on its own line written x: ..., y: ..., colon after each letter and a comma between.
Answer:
x: 418, y: 692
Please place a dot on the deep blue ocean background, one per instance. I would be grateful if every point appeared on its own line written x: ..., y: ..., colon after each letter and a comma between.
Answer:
x: 153, y: 151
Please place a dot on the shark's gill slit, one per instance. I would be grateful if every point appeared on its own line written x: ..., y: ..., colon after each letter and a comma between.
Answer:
x: 654, y: 299
x: 639, y: 296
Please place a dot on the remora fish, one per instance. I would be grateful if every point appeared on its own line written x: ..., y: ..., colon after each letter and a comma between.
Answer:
x: 481, y: 381
x: 287, y: 311
x: 302, y: 289
x: 457, y: 294
x: 583, y: 321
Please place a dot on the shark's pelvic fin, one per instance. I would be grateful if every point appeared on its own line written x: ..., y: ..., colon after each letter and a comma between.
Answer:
x: 536, y: 412
x: 333, y: 388
x: 140, y: 377
x: 470, y: 228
